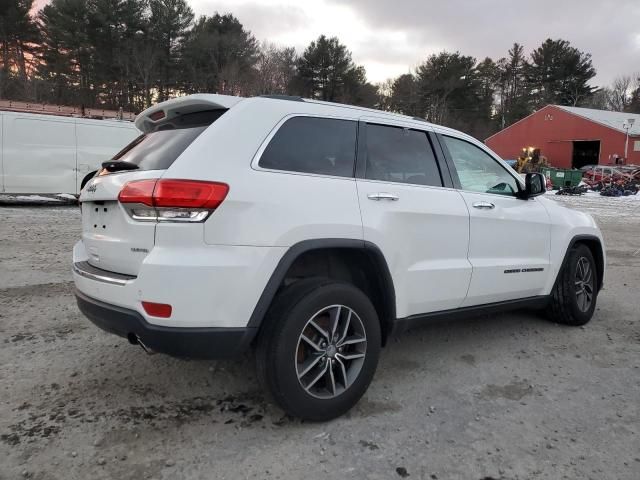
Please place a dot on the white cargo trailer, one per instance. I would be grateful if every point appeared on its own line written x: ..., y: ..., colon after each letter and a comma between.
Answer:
x: 50, y: 154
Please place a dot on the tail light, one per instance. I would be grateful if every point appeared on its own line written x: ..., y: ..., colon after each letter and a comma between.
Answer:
x: 172, y: 200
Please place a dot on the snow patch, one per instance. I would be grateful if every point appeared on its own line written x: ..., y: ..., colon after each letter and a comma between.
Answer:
x: 25, y: 199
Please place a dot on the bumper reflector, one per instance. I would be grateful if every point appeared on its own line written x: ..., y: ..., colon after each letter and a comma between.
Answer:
x: 161, y: 310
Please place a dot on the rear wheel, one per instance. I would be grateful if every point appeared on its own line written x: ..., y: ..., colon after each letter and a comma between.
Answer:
x: 319, y: 348
x: 573, y: 298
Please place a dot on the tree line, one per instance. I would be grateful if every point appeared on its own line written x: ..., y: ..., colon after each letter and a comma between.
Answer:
x: 131, y: 53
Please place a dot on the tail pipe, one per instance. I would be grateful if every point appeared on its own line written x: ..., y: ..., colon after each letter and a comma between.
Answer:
x: 135, y: 340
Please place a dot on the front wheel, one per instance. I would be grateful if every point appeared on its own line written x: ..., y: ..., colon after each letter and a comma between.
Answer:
x: 573, y: 299
x: 319, y: 348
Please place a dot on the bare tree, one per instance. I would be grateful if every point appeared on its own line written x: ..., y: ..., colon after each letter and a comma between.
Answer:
x: 385, y: 93
x: 275, y: 69
x: 145, y: 55
x: 619, y: 95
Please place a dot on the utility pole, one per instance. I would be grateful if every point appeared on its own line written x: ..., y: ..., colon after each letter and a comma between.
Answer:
x: 627, y: 126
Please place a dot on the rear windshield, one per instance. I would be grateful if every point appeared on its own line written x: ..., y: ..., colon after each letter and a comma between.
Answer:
x: 158, y: 149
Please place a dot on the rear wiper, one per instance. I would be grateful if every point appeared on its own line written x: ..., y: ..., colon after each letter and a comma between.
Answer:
x: 118, y: 166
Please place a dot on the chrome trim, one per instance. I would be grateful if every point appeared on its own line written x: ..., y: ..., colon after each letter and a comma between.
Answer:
x: 199, y: 216
x: 484, y: 205
x: 383, y: 196
x: 86, y: 270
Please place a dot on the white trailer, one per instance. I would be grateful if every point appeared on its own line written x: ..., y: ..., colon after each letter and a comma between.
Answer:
x: 50, y: 154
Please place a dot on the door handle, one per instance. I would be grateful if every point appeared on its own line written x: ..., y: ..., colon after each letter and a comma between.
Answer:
x: 383, y: 196
x: 484, y: 205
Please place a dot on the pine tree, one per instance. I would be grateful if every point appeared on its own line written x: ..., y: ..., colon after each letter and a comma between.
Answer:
x: 559, y: 74
x: 404, y: 96
x: 488, y: 74
x: 66, y: 52
x: 169, y: 22
x: 18, y: 39
x: 323, y: 69
x: 513, y: 93
x: 448, y: 87
x: 114, y: 25
x: 218, y: 55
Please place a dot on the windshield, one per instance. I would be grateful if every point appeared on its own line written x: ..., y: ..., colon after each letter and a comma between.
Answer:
x: 158, y: 149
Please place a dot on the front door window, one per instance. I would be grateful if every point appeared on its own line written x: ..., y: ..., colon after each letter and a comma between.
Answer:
x: 478, y: 171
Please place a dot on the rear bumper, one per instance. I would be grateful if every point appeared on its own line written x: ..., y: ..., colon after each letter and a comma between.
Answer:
x: 206, y: 286
x: 192, y: 342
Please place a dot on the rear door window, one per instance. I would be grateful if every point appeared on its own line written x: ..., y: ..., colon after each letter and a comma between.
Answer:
x: 158, y: 149
x: 396, y: 154
x: 323, y: 146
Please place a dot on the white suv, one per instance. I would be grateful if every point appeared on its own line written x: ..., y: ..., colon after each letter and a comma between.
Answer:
x: 312, y: 232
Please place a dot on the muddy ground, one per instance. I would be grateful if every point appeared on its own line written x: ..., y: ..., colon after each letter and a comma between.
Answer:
x: 502, y: 397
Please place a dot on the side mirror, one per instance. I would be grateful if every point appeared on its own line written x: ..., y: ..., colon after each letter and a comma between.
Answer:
x: 534, y: 184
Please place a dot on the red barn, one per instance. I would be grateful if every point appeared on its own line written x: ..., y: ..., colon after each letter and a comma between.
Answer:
x: 571, y: 137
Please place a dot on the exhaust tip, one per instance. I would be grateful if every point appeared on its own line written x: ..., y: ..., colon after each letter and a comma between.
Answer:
x: 135, y: 340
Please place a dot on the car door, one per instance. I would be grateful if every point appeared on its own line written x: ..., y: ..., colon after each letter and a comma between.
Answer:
x: 421, y: 227
x: 509, y: 245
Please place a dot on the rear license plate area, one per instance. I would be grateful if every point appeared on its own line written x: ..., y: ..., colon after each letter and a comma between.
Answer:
x: 99, y: 216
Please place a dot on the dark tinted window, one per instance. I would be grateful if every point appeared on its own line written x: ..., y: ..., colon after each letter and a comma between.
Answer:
x: 397, y: 154
x: 158, y: 149
x: 313, y: 145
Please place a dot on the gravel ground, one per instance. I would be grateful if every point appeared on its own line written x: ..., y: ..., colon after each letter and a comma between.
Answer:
x: 503, y: 397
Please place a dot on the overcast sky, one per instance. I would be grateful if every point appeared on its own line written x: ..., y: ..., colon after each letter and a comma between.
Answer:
x: 391, y: 37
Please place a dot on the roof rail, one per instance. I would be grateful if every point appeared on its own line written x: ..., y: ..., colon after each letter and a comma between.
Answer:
x: 291, y: 98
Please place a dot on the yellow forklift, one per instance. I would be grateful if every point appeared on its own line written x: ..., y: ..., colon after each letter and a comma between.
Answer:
x: 531, y: 161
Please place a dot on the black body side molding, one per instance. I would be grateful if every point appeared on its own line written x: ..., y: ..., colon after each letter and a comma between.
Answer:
x: 183, y: 342
x: 398, y: 325
x: 403, y: 324
x: 598, y: 256
x: 538, y: 302
x: 298, y: 249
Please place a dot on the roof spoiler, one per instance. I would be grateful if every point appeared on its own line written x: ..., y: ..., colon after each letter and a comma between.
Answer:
x: 148, y: 119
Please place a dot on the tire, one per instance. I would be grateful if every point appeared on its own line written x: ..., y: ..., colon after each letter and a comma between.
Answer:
x: 567, y: 305
x: 282, y: 354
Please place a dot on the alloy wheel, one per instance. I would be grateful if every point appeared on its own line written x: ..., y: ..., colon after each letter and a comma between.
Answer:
x: 584, y: 286
x: 331, y: 351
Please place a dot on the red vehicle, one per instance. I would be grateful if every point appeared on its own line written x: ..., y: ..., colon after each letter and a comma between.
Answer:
x: 604, y: 174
